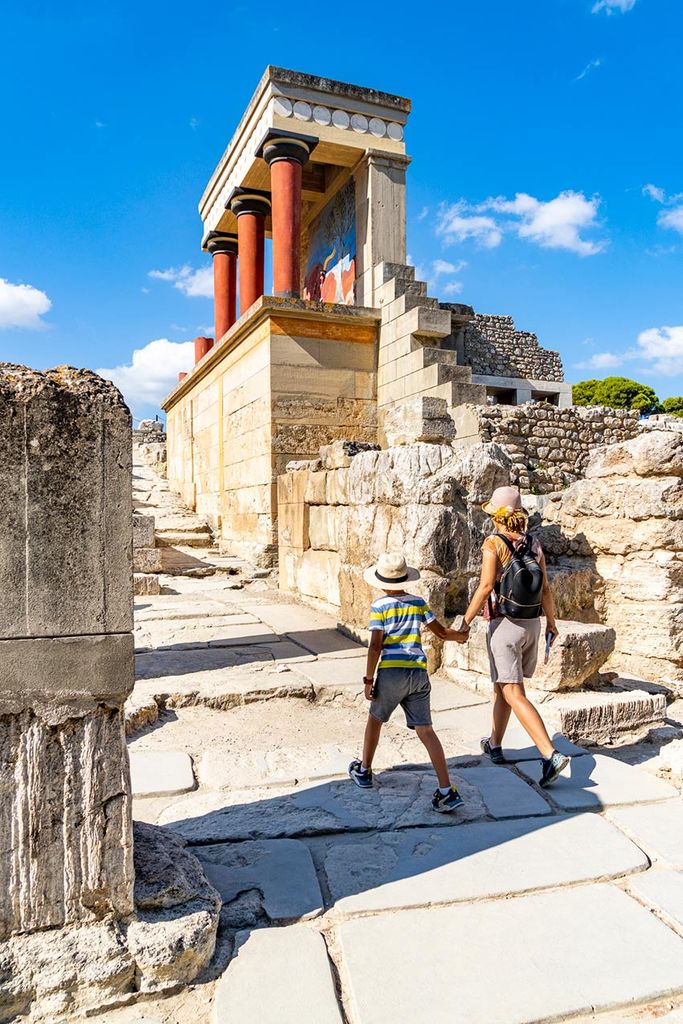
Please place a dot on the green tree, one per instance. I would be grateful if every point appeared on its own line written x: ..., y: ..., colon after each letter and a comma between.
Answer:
x: 583, y: 393
x: 674, y: 406
x: 617, y: 393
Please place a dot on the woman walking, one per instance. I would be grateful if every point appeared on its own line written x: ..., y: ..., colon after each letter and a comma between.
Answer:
x: 514, y: 591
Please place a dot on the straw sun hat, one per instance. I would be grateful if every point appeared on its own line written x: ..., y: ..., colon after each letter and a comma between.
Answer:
x: 390, y: 573
x: 504, y: 499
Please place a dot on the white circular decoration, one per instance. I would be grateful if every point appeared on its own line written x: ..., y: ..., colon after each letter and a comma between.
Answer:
x: 359, y: 123
x: 321, y: 115
x: 282, y: 106
x: 302, y: 110
x: 377, y: 127
x: 394, y: 131
x: 340, y: 119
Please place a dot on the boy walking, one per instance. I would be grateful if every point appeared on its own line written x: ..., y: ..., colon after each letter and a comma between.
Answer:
x: 396, y: 647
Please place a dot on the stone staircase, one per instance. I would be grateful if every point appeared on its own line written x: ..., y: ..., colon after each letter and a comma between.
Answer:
x: 417, y: 354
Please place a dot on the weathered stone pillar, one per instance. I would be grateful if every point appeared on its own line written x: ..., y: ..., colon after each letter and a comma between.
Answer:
x: 251, y: 209
x: 201, y: 347
x: 223, y: 249
x: 380, y: 217
x: 66, y: 651
x: 286, y: 156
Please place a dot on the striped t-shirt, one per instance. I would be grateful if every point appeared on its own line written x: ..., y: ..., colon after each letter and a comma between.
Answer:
x: 401, y: 618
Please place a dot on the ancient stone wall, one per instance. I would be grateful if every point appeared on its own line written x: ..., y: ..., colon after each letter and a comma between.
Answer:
x: 624, y: 520
x: 339, y: 513
x: 492, y: 346
x: 550, y: 447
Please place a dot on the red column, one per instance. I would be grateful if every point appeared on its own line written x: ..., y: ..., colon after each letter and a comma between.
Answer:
x: 201, y: 347
x: 181, y: 377
x: 286, y: 157
x: 250, y: 208
x: 223, y: 249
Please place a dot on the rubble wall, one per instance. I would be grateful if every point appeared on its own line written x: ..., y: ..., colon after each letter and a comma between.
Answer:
x: 550, y: 447
x: 339, y: 514
x: 66, y: 650
x: 625, y: 520
x: 491, y: 345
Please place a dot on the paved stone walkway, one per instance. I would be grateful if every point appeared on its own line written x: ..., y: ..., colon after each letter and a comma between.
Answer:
x: 351, y: 907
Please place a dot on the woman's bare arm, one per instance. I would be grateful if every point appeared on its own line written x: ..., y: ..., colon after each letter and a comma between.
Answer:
x: 547, y: 603
x: 487, y: 582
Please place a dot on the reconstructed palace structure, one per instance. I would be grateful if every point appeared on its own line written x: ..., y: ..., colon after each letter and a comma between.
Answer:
x: 349, y: 342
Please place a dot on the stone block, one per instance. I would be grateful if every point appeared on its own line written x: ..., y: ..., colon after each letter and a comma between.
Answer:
x: 146, y: 583
x: 656, y: 828
x: 318, y: 575
x: 338, y: 455
x: 417, y: 419
x: 324, y: 526
x: 653, y: 453
x: 600, y: 925
x: 604, y: 715
x: 376, y: 873
x: 662, y: 890
x: 337, y: 492
x: 596, y: 781
x: 65, y: 435
x: 316, y: 489
x: 143, y: 531
x: 293, y: 525
x: 160, y: 772
x: 147, y: 560
x: 257, y: 985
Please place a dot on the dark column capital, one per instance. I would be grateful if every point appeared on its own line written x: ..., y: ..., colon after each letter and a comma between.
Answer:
x: 280, y: 145
x: 218, y: 241
x: 245, y: 200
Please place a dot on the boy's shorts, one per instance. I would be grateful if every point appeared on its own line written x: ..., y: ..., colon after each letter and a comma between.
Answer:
x: 409, y: 687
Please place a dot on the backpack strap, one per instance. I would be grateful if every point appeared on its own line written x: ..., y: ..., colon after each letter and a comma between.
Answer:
x: 511, y: 547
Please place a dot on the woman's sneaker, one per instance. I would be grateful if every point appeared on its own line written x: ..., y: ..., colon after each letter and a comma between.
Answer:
x: 447, y: 802
x: 495, y: 753
x: 360, y: 775
x: 552, y: 766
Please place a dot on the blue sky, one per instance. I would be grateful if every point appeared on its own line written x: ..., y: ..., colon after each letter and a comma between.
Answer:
x: 546, y: 180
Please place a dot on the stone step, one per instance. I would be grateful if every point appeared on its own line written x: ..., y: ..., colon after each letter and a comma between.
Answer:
x: 190, y: 539
x: 595, y: 781
x: 404, y: 303
x: 184, y: 522
x: 422, y: 321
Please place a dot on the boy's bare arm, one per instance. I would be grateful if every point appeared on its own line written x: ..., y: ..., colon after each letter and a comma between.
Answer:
x: 374, y: 652
x: 444, y: 633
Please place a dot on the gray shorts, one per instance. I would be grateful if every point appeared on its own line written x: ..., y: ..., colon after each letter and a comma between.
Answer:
x: 409, y: 687
x: 513, y: 648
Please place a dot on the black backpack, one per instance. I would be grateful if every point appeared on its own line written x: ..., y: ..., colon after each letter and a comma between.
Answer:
x: 520, y: 588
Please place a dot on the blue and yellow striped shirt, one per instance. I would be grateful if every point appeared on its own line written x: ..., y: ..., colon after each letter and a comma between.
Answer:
x: 400, y: 618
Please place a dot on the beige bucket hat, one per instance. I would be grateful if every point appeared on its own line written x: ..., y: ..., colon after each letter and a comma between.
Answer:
x: 391, y: 573
x: 504, y: 499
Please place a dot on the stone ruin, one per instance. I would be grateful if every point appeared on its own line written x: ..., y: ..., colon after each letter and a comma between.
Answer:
x: 91, y: 909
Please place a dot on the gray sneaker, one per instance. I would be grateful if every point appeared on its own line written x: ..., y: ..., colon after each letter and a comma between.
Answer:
x: 494, y: 753
x: 551, y: 767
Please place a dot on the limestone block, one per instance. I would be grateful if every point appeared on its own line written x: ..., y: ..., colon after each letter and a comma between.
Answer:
x: 293, y: 525
x: 317, y: 575
x: 576, y: 656
x: 324, y: 526
x: 337, y: 492
x: 604, y: 715
x: 146, y: 583
x: 671, y: 758
x: 160, y: 772
x: 173, y: 935
x: 653, y: 453
x: 316, y: 488
x: 574, y: 589
x: 143, y: 531
x: 598, y: 781
x: 291, y: 487
x: 146, y: 560
x: 70, y: 774
x: 65, y: 435
x: 338, y: 455
x: 416, y: 419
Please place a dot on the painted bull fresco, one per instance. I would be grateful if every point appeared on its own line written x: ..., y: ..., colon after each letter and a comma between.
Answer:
x: 331, y: 266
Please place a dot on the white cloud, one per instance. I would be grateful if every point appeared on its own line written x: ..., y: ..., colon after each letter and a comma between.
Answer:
x: 654, y: 192
x: 152, y: 372
x: 194, y: 283
x: 555, y: 224
x: 610, y: 6
x: 601, y: 361
x: 444, y: 267
x: 456, y: 224
x: 22, y: 305
x: 672, y: 218
x: 662, y: 347
x: 423, y: 213
x: 452, y: 288
x: 589, y: 67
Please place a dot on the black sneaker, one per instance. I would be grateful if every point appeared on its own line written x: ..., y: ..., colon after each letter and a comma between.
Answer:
x: 444, y: 803
x: 361, y: 776
x: 495, y: 753
x: 551, y: 767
